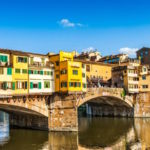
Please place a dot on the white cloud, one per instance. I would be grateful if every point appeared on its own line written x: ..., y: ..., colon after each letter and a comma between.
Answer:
x: 89, y: 49
x: 129, y: 51
x: 68, y: 23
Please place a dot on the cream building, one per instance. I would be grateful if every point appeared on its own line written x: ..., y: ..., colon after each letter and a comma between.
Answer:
x: 41, y: 74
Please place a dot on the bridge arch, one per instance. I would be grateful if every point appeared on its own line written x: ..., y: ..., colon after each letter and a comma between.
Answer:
x: 26, y: 113
x: 104, y: 101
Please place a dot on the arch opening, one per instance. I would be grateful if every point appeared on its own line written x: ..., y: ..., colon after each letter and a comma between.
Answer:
x: 20, y: 117
x: 105, y: 106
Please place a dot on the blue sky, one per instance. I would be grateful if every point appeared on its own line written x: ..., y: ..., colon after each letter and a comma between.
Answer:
x: 51, y: 25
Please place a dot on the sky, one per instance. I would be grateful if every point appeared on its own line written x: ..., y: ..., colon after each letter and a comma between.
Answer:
x: 42, y: 26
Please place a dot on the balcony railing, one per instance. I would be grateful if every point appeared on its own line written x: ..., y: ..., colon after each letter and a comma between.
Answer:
x: 3, y: 64
x: 39, y: 64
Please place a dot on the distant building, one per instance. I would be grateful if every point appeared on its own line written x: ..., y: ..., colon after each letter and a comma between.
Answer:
x: 144, y: 78
x: 144, y: 55
x: 89, y: 56
x: 126, y: 76
x: 114, y: 59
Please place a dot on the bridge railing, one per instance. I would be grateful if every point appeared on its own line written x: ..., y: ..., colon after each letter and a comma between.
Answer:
x: 112, y: 91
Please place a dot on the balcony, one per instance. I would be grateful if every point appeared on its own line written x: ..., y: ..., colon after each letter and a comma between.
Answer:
x: 3, y: 64
x: 132, y: 75
x: 39, y: 64
x: 133, y: 82
x: 133, y: 90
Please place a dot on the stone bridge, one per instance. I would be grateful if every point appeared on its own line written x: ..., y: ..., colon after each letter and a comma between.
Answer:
x: 26, y: 111
x: 64, y: 108
x: 58, y: 112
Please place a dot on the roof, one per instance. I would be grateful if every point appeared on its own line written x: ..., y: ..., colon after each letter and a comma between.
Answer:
x: 143, y: 48
x: 110, y: 57
x: 92, y: 62
x: 19, y: 52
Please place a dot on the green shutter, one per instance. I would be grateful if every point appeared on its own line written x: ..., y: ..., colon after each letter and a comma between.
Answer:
x: 9, y: 71
x: 31, y: 85
x: 24, y: 71
x: 13, y: 86
x: 5, y: 85
x: 39, y: 85
x: 29, y: 71
x: 26, y: 84
x: 6, y: 58
x: 41, y: 72
x: 25, y: 59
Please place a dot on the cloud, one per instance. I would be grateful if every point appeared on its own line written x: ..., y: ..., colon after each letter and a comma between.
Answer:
x: 129, y: 51
x: 68, y: 23
x: 89, y: 49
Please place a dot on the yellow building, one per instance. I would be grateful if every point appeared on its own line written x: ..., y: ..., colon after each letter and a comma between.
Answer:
x: 97, y: 73
x: 19, y: 62
x: 68, y: 73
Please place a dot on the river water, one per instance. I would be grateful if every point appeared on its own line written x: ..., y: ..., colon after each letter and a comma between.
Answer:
x: 94, y: 133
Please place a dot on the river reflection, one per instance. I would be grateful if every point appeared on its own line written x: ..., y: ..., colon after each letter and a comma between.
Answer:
x: 94, y: 133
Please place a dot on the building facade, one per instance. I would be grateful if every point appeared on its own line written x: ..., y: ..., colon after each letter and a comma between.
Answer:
x: 114, y: 59
x: 126, y: 76
x: 97, y: 74
x: 68, y: 73
x: 41, y: 74
x: 144, y: 55
x: 144, y: 78
x: 20, y: 76
x: 5, y: 74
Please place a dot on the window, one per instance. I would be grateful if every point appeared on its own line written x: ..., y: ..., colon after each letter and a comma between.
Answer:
x: 17, y: 70
x: 41, y: 72
x: 83, y: 65
x: 48, y: 73
x: 84, y: 85
x: 88, y: 68
x: 30, y: 71
x: 9, y: 85
x: 143, y: 77
x: 57, y: 76
x: 46, y: 84
x: 144, y: 86
x: 22, y: 59
x: 43, y: 60
x: 1, y: 71
x: 3, y: 58
x: 63, y: 71
x: 146, y: 52
x: 144, y: 69
x: 20, y: 85
x: 75, y: 72
x: 31, y: 60
x: 57, y: 63
x: 35, y: 72
x: 63, y: 84
x: 51, y: 73
x: 24, y: 71
x: 71, y: 84
x: 9, y: 71
x: 83, y: 75
x: 35, y: 85
x: 39, y: 85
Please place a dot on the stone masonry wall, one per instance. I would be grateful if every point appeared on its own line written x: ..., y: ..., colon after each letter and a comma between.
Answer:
x: 63, y: 113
